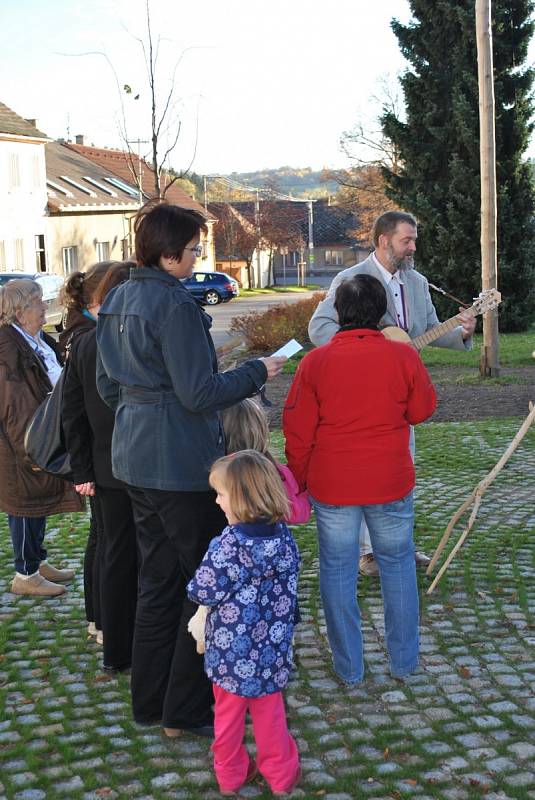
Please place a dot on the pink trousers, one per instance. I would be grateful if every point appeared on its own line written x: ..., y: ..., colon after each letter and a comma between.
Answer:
x: 276, y: 751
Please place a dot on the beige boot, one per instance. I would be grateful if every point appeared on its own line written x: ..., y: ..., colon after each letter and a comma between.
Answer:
x: 56, y: 575
x: 36, y: 585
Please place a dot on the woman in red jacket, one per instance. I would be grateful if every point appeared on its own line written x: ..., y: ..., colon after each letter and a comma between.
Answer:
x: 346, y: 421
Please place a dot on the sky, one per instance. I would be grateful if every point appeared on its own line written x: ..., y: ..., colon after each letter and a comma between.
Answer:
x: 258, y: 83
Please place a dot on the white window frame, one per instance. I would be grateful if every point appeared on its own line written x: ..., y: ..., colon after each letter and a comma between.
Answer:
x: 103, y: 251
x: 334, y: 257
x: 18, y: 254
x: 14, y: 171
x: 69, y: 257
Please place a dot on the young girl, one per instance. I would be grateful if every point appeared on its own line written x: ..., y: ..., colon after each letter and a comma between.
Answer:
x: 247, y: 583
x: 246, y: 428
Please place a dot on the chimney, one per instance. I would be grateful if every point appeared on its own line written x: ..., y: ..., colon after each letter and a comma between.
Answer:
x: 80, y: 138
x: 32, y: 122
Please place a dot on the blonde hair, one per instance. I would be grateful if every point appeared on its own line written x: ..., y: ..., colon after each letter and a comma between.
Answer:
x: 16, y: 296
x: 246, y: 428
x: 254, y: 486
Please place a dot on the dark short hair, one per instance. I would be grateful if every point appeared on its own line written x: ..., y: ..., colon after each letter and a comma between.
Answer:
x: 163, y: 229
x: 388, y: 222
x: 360, y: 302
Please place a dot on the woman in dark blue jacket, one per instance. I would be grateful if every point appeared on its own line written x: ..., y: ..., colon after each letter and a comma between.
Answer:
x: 157, y: 369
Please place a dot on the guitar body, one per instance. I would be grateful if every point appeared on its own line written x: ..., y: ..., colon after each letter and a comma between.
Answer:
x: 396, y: 334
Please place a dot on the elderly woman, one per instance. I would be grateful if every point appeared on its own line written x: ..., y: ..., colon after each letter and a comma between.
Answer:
x: 346, y: 421
x: 158, y: 369
x: 29, y: 368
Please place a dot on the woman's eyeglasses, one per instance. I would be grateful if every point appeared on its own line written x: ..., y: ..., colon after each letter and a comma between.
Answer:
x: 197, y: 249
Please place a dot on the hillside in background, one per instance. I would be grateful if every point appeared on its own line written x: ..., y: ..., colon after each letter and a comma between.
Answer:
x: 297, y: 182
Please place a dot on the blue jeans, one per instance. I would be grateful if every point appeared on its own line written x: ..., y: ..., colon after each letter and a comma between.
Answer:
x: 391, y: 526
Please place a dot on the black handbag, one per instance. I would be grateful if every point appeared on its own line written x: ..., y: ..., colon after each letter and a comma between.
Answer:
x: 44, y: 441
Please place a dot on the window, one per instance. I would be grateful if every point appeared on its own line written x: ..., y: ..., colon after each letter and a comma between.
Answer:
x: 14, y: 170
x: 103, y: 251
x: 334, y: 258
x: 36, y: 171
x: 2, y: 255
x: 40, y: 255
x: 70, y: 259
x: 19, y: 253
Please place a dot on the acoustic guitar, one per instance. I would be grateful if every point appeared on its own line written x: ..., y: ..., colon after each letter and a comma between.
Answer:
x: 487, y: 300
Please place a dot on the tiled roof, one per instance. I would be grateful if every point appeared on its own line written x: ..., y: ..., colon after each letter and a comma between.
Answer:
x: 127, y: 168
x: 14, y: 125
x: 218, y: 212
x: 332, y: 224
x: 77, y: 182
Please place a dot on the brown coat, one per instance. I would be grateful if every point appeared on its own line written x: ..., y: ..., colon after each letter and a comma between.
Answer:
x: 24, y: 384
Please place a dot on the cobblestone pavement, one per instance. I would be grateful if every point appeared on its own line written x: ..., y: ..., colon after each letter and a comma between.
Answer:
x: 463, y: 726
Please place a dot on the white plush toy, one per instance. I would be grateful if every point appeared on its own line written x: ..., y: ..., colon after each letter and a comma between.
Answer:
x: 196, y: 627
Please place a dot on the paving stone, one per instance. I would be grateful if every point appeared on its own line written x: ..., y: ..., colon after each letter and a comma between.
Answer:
x: 499, y: 765
x: 166, y: 780
x: 522, y: 750
x: 521, y: 779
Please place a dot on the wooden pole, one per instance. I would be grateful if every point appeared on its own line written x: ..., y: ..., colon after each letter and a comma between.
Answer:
x: 489, y: 363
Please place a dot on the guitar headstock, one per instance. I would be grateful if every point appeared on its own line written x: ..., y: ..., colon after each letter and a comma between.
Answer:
x: 487, y: 301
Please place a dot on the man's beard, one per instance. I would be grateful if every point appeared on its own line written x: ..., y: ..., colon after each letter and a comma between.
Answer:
x: 401, y: 263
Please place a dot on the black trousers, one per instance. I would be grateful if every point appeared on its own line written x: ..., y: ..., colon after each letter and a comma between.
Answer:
x: 118, y: 574
x: 92, y: 567
x: 168, y: 679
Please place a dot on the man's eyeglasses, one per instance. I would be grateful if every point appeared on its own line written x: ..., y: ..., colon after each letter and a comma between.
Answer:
x: 197, y: 249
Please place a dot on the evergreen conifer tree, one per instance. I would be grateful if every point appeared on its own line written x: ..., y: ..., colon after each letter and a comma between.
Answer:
x: 439, y: 146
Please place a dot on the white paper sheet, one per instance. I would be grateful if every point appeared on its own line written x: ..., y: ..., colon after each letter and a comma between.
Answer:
x: 289, y: 349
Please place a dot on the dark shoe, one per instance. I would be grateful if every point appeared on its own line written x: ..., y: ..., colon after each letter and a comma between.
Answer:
x: 368, y: 565
x: 110, y: 670
x: 421, y: 559
x: 206, y: 731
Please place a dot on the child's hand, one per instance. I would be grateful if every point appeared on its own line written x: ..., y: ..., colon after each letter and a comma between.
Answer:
x: 196, y: 627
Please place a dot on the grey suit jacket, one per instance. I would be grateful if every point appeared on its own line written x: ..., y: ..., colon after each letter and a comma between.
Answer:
x: 420, y: 309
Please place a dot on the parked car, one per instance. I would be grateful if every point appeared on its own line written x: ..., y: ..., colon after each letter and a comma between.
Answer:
x: 212, y: 287
x: 51, y: 285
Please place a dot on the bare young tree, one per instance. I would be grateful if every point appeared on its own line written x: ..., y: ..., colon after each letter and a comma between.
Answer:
x: 369, y: 151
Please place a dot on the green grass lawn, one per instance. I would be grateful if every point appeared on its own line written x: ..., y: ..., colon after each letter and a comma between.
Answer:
x: 515, y: 350
x: 279, y: 289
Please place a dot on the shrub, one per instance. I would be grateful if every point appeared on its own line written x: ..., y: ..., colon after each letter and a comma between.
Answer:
x: 268, y: 330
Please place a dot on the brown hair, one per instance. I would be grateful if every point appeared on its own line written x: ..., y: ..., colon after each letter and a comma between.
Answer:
x: 387, y: 223
x: 117, y: 273
x: 16, y: 296
x: 163, y: 229
x: 255, y: 488
x: 77, y: 291
x: 246, y: 428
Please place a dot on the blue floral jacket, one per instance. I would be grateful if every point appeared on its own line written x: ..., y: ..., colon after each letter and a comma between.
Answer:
x: 249, y: 579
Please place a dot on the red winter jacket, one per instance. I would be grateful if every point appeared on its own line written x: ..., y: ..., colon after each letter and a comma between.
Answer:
x: 347, y: 417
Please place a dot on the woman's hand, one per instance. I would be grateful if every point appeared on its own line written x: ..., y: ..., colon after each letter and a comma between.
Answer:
x: 85, y: 489
x: 274, y: 365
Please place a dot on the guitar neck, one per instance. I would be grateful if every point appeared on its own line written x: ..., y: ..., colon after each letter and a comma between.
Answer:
x: 435, y: 333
